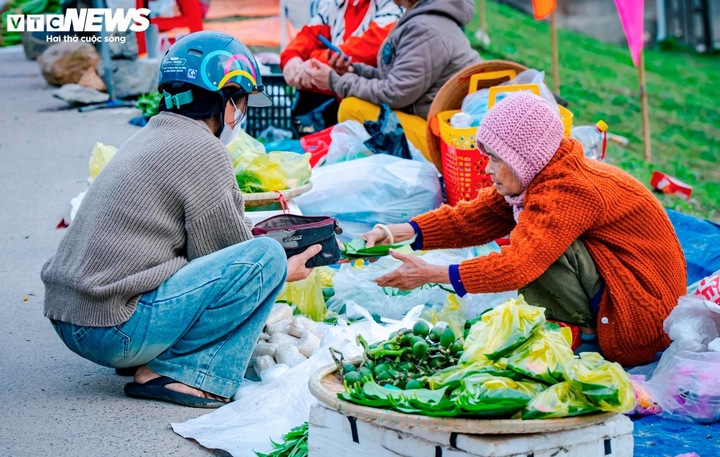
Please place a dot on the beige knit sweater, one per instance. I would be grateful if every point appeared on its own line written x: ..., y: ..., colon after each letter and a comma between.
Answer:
x: 167, y: 197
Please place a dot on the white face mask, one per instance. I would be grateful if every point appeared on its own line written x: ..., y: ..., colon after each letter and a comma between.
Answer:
x: 229, y: 133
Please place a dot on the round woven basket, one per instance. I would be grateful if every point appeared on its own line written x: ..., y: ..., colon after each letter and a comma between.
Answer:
x: 325, y: 384
x: 453, y: 92
x: 268, y: 198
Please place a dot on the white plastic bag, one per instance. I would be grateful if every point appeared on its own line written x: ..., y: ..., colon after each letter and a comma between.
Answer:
x: 357, y: 286
x: 376, y: 189
x: 348, y: 142
x: 684, y: 384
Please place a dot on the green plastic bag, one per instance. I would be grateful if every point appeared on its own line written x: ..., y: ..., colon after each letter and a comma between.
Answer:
x: 545, y: 355
x: 605, y: 384
x: 452, y: 376
x: 561, y: 400
x: 485, y: 395
x: 416, y: 401
x: 307, y: 296
x: 502, y: 329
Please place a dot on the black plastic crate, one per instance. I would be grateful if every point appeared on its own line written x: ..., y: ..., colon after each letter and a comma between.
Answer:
x: 277, y: 115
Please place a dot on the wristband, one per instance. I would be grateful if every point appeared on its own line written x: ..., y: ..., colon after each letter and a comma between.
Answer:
x: 388, y: 234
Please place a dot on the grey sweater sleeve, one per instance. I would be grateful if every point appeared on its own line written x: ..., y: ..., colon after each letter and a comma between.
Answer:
x: 417, y: 64
x: 365, y: 71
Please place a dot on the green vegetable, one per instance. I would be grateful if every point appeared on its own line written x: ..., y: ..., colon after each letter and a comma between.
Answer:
x: 447, y: 338
x: 349, y: 367
x: 420, y: 349
x: 414, y: 384
x: 421, y: 329
x: 436, y: 333
x: 295, y: 444
x: 457, y: 347
x: 149, y: 103
x: 353, y: 377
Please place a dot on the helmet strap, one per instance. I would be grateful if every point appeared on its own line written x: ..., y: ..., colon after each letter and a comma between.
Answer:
x: 183, y: 98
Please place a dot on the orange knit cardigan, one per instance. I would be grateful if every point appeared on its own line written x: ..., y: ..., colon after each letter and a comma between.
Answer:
x: 624, y: 227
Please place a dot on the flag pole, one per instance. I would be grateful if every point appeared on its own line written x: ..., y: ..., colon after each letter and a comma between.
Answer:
x: 482, y: 33
x: 645, y: 111
x: 555, y: 57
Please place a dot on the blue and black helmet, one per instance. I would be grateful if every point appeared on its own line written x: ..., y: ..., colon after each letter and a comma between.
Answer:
x: 211, y: 61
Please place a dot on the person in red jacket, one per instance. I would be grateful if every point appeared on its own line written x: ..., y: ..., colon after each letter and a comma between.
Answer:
x: 357, y: 27
x: 588, y: 242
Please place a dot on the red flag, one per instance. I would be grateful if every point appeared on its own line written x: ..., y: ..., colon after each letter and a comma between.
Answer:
x: 543, y: 8
x: 632, y: 14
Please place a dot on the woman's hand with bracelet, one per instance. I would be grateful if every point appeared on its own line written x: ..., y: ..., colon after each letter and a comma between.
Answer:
x: 388, y: 234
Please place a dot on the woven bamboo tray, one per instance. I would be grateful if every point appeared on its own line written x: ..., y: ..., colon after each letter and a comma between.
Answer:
x: 267, y: 198
x: 453, y: 92
x: 325, y: 384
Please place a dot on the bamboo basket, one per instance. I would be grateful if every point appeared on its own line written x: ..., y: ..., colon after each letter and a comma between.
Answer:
x: 325, y: 384
x: 267, y: 198
x: 453, y: 92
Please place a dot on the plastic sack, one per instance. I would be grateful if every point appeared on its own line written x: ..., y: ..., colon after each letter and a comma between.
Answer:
x: 532, y: 76
x: 561, y: 400
x: 693, y: 323
x: 307, y: 296
x: 347, y: 142
x: 685, y: 386
x: 453, y: 312
x: 376, y: 189
x: 485, y: 395
x: 295, y: 166
x: 544, y: 355
x: 645, y: 403
x: 254, y: 170
x: 387, y: 135
x: 502, y: 329
x: 317, y: 145
x: 606, y: 385
x: 100, y: 156
x: 450, y: 377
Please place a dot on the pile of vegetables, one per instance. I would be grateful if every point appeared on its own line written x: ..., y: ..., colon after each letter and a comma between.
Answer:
x: 510, y: 364
x: 148, y: 104
x: 8, y: 38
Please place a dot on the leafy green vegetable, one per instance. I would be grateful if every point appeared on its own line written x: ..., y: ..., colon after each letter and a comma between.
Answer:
x: 148, y: 104
x: 295, y: 444
x: 355, y: 248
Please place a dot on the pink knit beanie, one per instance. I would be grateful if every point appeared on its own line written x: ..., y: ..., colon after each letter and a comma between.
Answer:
x: 524, y: 131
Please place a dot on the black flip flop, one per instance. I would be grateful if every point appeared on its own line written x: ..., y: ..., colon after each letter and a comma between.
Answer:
x: 156, y: 390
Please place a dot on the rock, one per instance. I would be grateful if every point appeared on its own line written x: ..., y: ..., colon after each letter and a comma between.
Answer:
x: 65, y: 63
x: 131, y: 78
x: 91, y: 79
x: 119, y: 50
x: 75, y: 94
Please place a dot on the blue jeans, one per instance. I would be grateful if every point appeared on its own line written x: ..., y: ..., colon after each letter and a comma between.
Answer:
x: 200, y: 326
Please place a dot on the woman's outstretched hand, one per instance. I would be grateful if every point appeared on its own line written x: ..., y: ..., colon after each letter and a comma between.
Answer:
x: 413, y: 273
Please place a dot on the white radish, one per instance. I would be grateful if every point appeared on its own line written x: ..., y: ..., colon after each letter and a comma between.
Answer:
x: 283, y: 338
x: 262, y: 363
x: 282, y: 326
x: 263, y: 348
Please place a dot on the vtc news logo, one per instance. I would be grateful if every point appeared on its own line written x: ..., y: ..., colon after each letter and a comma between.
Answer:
x: 82, y: 20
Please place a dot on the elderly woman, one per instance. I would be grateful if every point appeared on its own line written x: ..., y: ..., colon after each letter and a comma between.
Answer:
x: 588, y: 242
x: 419, y: 56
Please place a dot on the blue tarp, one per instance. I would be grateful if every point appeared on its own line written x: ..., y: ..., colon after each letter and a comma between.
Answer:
x: 700, y: 241
x: 659, y: 437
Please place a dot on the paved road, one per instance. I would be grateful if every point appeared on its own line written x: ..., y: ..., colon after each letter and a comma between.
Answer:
x: 52, y: 402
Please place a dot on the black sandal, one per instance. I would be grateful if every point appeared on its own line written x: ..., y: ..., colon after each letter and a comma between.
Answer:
x: 156, y: 390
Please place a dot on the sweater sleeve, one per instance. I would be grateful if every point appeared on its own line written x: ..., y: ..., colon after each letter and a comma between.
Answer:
x: 305, y: 44
x: 416, y: 66
x: 218, y: 227
x: 365, y: 71
x: 469, y: 223
x: 556, y: 214
x: 363, y: 49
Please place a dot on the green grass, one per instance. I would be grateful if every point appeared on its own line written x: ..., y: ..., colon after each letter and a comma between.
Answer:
x: 600, y: 82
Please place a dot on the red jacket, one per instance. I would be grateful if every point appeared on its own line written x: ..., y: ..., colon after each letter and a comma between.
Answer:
x: 357, y: 27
